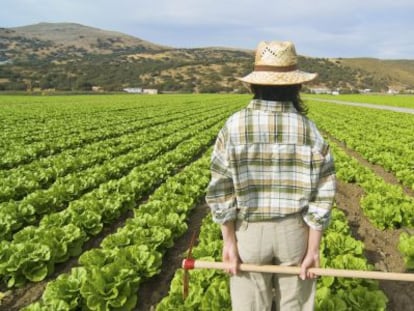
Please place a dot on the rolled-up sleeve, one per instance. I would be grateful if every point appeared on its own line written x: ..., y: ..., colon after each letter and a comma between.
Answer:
x: 220, y: 192
x: 318, y: 214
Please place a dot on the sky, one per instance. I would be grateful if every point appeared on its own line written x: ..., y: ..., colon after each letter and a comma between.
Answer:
x: 331, y: 28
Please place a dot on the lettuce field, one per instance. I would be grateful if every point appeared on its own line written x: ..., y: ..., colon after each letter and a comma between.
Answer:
x: 100, y: 195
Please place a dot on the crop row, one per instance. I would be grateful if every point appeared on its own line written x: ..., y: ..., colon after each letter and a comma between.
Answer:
x: 26, y: 120
x: 383, y: 138
x: 52, y: 142
x: 24, y: 179
x: 15, y: 214
x: 385, y: 205
x: 396, y: 101
x: 55, y: 117
x: 19, y: 153
x: 109, y: 277
x: 37, y: 126
x: 18, y: 182
x: 34, y: 251
x: 37, y: 129
x: 209, y: 289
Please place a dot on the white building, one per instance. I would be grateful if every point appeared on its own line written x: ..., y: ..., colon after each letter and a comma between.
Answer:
x: 150, y: 91
x: 320, y: 90
x: 136, y: 90
x: 139, y: 90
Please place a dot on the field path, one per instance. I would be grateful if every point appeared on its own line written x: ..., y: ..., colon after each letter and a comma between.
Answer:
x: 382, y: 107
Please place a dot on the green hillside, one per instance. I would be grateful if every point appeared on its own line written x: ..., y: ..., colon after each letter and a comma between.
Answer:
x: 73, y: 57
x: 397, y: 72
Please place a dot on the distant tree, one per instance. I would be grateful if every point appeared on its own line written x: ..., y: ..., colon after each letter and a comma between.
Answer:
x: 15, y: 86
x: 209, y: 88
x: 46, y: 83
x: 83, y: 84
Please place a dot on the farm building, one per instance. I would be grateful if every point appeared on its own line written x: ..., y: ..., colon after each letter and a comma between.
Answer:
x: 138, y: 90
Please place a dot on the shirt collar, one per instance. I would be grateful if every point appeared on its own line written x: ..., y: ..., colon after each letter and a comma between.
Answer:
x: 273, y: 106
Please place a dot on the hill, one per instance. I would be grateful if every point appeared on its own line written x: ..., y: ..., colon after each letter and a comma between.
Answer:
x: 73, y: 34
x: 397, y: 72
x: 52, y: 36
x: 72, y: 57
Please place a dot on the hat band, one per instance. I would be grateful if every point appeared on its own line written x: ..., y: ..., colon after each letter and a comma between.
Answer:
x: 274, y: 68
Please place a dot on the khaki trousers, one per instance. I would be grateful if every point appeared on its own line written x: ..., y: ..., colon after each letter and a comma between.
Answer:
x: 282, y: 242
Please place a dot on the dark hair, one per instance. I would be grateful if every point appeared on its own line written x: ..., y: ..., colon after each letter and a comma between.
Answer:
x: 289, y: 93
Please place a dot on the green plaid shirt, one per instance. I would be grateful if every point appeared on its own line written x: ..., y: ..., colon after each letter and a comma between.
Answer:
x: 269, y: 161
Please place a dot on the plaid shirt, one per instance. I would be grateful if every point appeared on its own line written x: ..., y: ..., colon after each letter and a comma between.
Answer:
x: 269, y: 161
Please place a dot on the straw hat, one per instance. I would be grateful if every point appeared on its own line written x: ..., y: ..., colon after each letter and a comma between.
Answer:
x: 276, y: 64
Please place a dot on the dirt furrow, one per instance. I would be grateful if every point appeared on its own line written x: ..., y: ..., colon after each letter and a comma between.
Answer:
x: 380, y: 247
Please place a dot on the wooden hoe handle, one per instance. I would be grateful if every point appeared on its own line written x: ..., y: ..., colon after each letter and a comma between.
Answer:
x: 189, y: 264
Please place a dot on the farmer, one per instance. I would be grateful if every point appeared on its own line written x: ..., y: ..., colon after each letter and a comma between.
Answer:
x: 272, y: 186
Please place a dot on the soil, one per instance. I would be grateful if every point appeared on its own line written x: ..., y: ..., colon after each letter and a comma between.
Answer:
x: 151, y: 293
x: 380, y: 245
x: 380, y: 251
x: 16, y: 299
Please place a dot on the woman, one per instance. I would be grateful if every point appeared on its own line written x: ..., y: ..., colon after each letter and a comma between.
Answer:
x: 272, y: 186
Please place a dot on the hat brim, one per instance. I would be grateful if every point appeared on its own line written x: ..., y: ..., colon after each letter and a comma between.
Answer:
x: 278, y: 78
